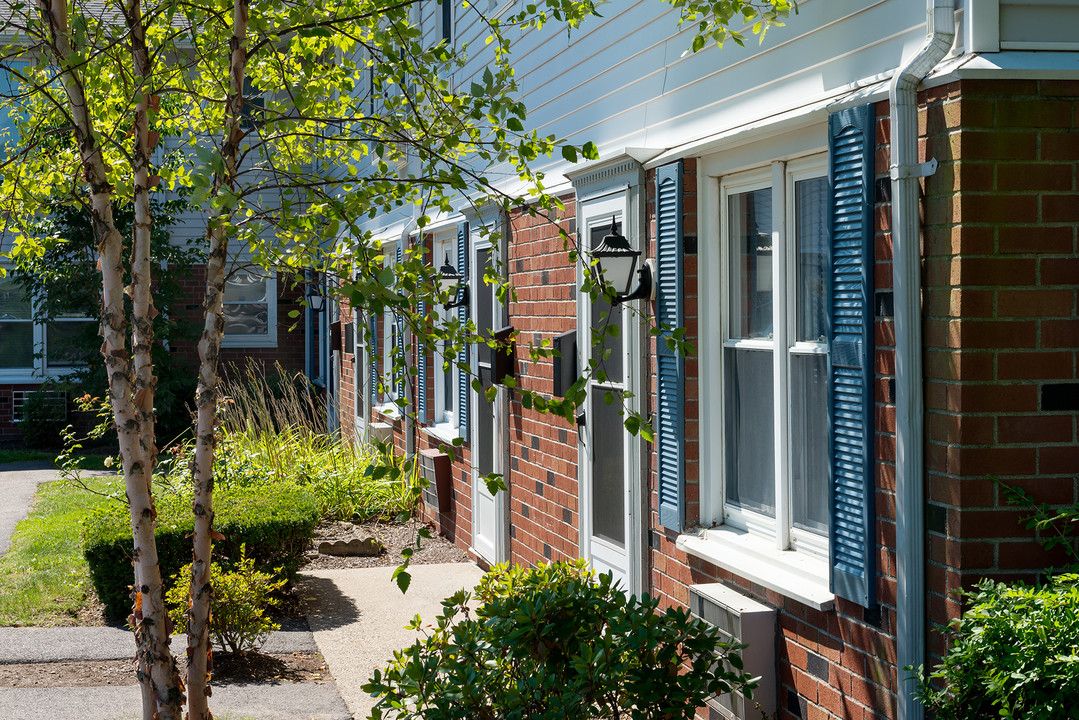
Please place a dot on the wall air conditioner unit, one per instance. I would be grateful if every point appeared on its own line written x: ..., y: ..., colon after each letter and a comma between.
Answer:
x: 748, y: 621
x: 380, y: 432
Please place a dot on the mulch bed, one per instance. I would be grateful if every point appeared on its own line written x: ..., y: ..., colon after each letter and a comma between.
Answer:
x: 228, y: 668
x: 394, y: 537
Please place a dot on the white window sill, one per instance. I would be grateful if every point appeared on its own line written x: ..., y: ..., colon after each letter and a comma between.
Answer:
x: 241, y: 341
x: 795, y: 575
x: 445, y: 432
x: 389, y: 410
x: 14, y: 377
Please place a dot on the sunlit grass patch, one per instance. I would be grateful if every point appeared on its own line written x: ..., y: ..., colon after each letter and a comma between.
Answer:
x: 44, y: 578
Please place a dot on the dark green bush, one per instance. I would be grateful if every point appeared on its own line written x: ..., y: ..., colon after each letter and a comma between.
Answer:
x: 1014, y: 654
x: 557, y: 642
x: 275, y: 522
x: 43, y: 417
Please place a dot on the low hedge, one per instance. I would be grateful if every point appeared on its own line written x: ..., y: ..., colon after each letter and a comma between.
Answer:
x: 275, y: 522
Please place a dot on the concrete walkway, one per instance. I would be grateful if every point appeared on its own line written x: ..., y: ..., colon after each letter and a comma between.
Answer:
x: 18, y: 483
x: 356, y: 618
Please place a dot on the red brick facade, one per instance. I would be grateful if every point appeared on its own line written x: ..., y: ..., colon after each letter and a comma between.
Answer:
x: 1001, y: 325
x: 1001, y: 344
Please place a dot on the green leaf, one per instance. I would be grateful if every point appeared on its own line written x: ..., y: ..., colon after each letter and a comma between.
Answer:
x: 403, y: 579
x: 569, y: 153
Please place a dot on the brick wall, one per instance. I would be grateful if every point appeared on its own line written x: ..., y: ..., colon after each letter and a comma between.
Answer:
x: 9, y: 430
x: 1002, y: 330
x: 542, y: 476
x: 544, y: 521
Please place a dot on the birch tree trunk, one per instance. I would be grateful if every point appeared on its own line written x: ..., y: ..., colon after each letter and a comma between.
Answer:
x: 198, y: 646
x: 143, y: 310
x: 157, y: 671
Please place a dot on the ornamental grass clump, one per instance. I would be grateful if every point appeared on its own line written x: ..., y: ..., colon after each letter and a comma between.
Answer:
x: 556, y: 641
x: 273, y: 432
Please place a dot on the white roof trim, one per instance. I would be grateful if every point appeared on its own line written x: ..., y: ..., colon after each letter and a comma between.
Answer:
x: 1022, y: 65
x: 869, y: 91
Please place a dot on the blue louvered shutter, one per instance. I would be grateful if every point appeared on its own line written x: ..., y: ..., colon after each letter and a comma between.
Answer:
x: 462, y: 357
x: 670, y: 364
x: 852, y: 547
x: 421, y: 371
x: 372, y: 354
x: 399, y: 349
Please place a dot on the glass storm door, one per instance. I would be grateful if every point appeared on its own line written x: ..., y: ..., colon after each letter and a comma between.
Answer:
x: 608, y: 470
x: 489, y: 441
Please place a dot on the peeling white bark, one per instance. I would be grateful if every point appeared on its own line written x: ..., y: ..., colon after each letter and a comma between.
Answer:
x: 198, y: 646
x: 157, y: 671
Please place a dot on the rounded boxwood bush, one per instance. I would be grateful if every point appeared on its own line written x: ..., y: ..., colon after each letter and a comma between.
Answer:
x: 1014, y: 654
x: 275, y: 522
x: 556, y: 642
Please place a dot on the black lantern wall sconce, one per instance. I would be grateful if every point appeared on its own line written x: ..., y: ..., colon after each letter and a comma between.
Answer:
x: 617, y: 261
x: 315, y: 299
x: 450, y: 280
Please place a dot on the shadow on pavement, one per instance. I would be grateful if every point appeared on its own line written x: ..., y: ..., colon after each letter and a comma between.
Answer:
x: 324, y: 605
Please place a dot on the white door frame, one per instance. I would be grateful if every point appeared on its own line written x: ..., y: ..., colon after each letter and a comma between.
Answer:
x: 598, y: 211
x: 495, y: 549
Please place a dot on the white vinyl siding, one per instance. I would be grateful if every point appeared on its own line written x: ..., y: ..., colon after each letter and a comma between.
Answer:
x: 1039, y: 24
x: 626, y: 80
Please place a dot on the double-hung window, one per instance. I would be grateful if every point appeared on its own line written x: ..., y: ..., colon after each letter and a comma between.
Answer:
x: 250, y: 309
x: 17, y: 331
x: 444, y: 368
x: 30, y: 349
x: 774, y: 359
x: 786, y: 336
x: 394, y: 366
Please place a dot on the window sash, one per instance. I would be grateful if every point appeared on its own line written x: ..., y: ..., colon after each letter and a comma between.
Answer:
x: 250, y: 309
x: 24, y: 342
x: 744, y: 335
x: 444, y: 369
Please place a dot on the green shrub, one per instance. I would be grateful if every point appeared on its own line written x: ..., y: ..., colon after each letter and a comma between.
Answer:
x: 238, y: 621
x: 557, y: 642
x: 43, y: 417
x: 275, y: 523
x: 1014, y: 654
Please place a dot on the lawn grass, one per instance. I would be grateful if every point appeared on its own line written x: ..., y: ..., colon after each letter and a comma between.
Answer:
x: 44, y: 579
x: 10, y: 456
x: 86, y: 462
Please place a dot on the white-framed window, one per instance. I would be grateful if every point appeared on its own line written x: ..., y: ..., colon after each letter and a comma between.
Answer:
x: 392, y: 342
x: 444, y: 368
x: 63, y: 351
x: 19, y: 334
x: 773, y: 363
x: 250, y: 307
x: 391, y: 385
x: 32, y: 350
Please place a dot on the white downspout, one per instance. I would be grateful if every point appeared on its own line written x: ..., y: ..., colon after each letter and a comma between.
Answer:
x: 906, y: 268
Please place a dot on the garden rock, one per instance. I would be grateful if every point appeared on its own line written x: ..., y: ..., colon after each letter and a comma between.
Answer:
x: 352, y: 548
